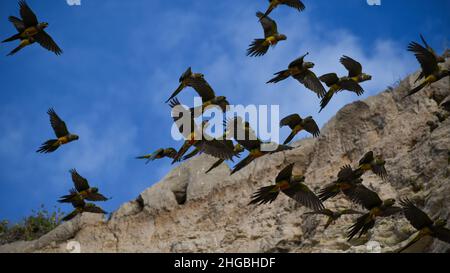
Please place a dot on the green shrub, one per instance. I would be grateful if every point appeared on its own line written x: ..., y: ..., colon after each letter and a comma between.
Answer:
x: 30, y: 228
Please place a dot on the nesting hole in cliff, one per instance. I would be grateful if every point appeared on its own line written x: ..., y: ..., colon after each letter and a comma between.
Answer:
x: 181, y: 194
x: 140, y: 202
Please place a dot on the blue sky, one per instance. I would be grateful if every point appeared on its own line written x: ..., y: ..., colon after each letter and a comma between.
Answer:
x: 122, y: 59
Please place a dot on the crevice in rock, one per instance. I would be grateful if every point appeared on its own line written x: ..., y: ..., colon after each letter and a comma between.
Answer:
x: 181, y: 194
x: 140, y: 202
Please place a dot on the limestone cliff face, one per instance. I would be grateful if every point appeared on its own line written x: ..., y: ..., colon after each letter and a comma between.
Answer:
x: 189, y: 211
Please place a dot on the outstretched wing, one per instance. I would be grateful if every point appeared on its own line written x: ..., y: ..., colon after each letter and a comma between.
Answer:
x: 170, y: 152
x: 81, y: 184
x: 310, y: 80
x: 346, y: 173
x: 203, y: 88
x: 426, y: 59
x: 285, y: 174
x: 222, y: 149
x: 364, y: 197
x: 298, y: 62
x: 47, y: 42
x: 291, y: 121
x: 304, y: 196
x: 18, y: 24
x: 354, y: 68
x: 269, y: 25
x: 379, y: 170
x: 28, y: 16
x: 296, y: 4
x: 367, y: 158
x: 329, y: 79
x: 311, y: 127
x: 58, y: 125
x: 352, y: 86
x: 96, y: 197
x: 414, y: 215
x: 94, y: 209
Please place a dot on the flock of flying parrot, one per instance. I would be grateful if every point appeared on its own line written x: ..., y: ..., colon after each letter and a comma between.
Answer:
x: 349, y: 181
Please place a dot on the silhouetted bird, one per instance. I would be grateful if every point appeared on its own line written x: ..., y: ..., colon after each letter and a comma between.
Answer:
x: 291, y: 185
x: 413, y: 47
x: 61, y: 132
x: 431, y: 72
x: 426, y: 227
x: 158, y: 154
x: 259, y: 47
x: 297, y: 124
x: 376, y: 207
x: 82, y: 190
x: 296, y: 4
x: 373, y: 163
x: 204, y: 90
x: 80, y: 207
x: 349, y: 83
x: 30, y: 30
x: 300, y: 70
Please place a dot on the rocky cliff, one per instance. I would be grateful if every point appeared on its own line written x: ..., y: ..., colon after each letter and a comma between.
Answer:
x: 189, y: 211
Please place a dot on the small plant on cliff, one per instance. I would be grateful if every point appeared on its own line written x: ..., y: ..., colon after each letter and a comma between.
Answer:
x: 31, y: 227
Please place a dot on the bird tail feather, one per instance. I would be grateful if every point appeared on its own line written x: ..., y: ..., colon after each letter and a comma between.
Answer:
x: 290, y: 137
x: 242, y: 164
x: 12, y: 38
x: 361, y: 226
x: 181, y: 152
x: 215, y: 165
x: 417, y: 89
x: 280, y: 76
x: 257, y: 48
x: 70, y: 215
x: 325, y: 100
x: 48, y: 147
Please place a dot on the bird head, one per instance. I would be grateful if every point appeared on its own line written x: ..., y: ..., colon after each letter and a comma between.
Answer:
x: 298, y: 178
x: 379, y: 160
x: 94, y: 190
x: 219, y: 99
x: 365, y: 77
x: 74, y: 137
x: 440, y: 223
x: 238, y: 148
x: 281, y: 37
x: 440, y: 59
x: 308, y: 65
x: 42, y: 25
x: 389, y: 202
